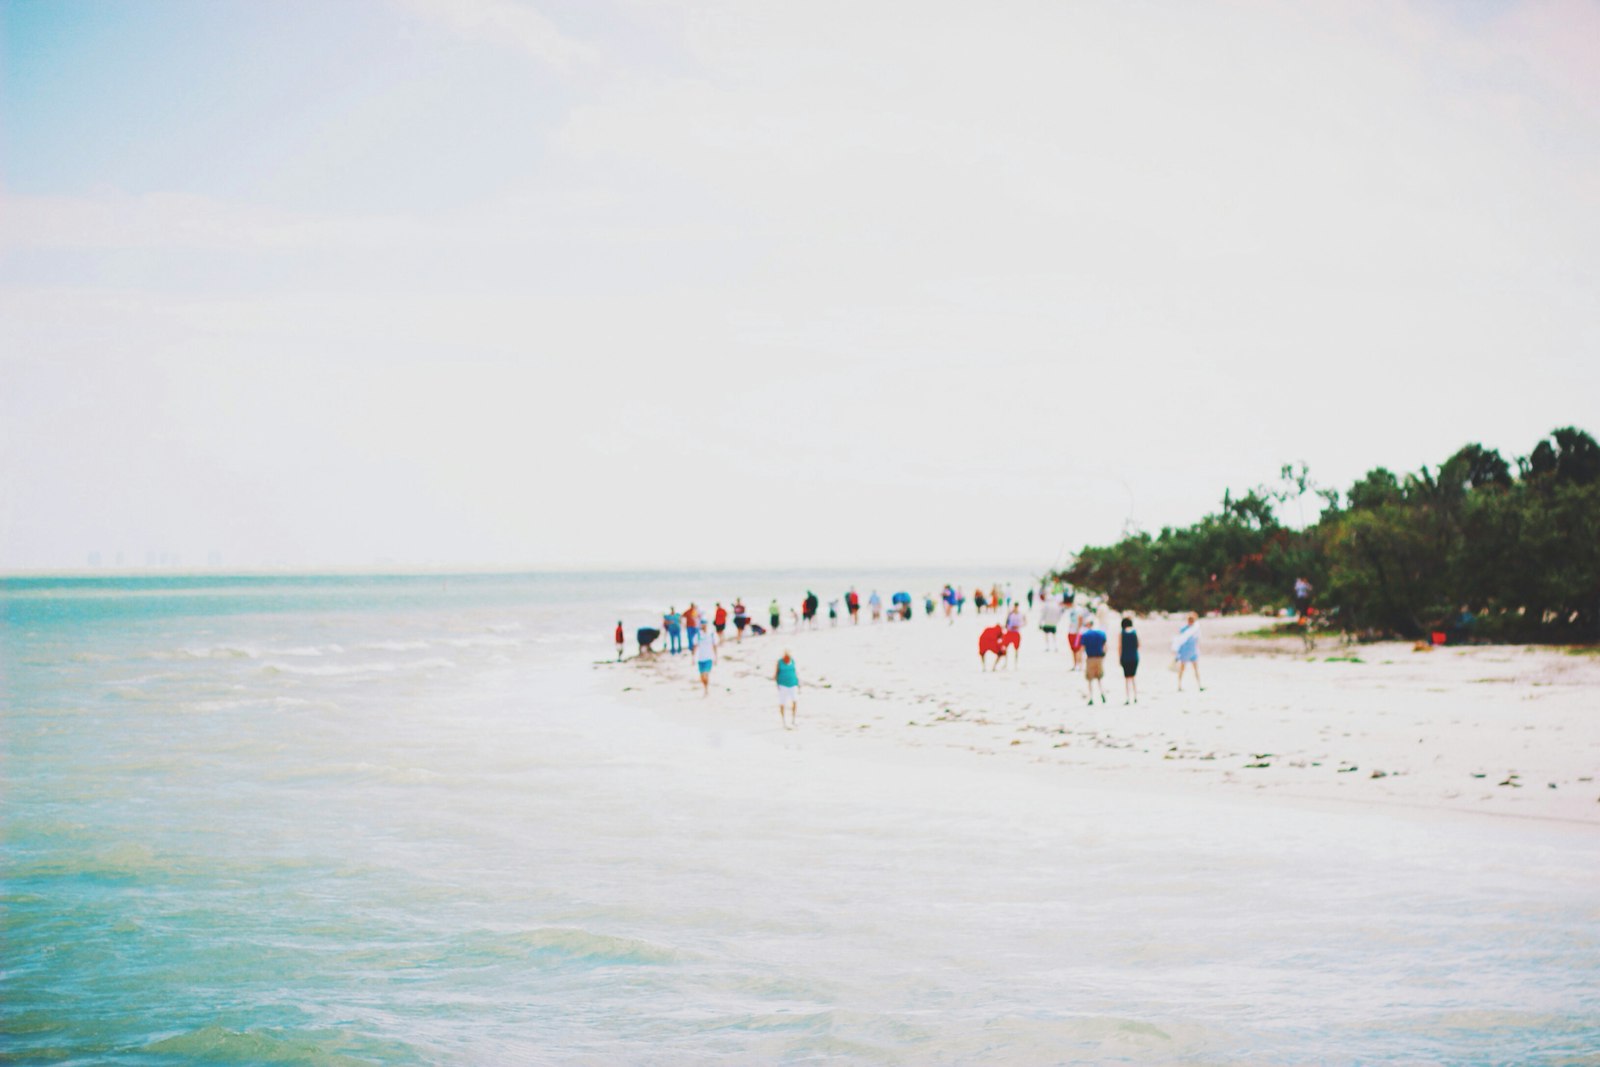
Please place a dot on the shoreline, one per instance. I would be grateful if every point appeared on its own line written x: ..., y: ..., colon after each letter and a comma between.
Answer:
x: 1473, y: 730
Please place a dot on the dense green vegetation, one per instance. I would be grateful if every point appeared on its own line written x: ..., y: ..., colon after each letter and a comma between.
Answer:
x: 1517, y: 545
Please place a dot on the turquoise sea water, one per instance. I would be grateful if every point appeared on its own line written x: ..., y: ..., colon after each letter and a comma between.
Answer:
x: 337, y: 819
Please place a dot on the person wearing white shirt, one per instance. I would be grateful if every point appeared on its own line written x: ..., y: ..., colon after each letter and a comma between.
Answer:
x: 1075, y: 617
x: 1049, y: 619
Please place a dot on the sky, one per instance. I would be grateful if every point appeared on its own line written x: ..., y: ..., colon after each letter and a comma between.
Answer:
x: 647, y: 283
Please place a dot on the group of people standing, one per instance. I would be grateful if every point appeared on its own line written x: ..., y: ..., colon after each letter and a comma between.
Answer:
x: 1089, y: 644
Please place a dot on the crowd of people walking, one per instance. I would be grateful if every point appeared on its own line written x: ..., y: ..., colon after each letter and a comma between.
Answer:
x: 701, y: 636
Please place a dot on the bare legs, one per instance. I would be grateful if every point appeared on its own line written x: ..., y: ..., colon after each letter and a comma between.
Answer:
x: 1195, y: 664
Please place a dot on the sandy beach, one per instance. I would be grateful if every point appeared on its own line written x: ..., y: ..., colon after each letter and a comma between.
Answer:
x: 1491, y: 730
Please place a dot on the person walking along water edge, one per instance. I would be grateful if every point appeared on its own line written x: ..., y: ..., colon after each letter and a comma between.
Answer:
x: 788, y: 679
x: 1128, y: 657
x: 1186, y: 646
x: 674, y: 626
x: 705, y: 659
x: 691, y: 626
x: 741, y: 619
x: 621, y: 641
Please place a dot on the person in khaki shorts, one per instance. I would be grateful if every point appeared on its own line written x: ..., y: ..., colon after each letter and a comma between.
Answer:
x: 1093, y: 643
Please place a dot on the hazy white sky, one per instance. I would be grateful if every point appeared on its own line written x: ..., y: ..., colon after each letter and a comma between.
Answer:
x: 640, y: 282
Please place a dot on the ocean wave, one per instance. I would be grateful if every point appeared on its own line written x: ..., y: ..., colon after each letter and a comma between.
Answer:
x: 308, y: 650
x: 314, y: 1048
x: 579, y: 945
x: 362, y: 771
x: 210, y: 652
x: 209, y: 706
x: 395, y: 646
x: 489, y: 641
x: 143, y: 679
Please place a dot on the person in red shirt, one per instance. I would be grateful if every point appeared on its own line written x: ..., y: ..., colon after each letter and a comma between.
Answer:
x: 619, y: 638
x: 691, y: 625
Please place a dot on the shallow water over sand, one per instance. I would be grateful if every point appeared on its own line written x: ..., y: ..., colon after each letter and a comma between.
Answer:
x: 399, y: 821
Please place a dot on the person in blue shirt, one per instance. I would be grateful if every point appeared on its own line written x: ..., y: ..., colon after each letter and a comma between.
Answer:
x: 673, y: 622
x: 1092, y: 641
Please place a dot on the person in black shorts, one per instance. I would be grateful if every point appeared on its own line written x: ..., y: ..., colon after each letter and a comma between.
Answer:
x: 1128, y: 656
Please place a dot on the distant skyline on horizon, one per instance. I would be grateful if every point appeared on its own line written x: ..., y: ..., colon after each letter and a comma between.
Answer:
x: 491, y: 284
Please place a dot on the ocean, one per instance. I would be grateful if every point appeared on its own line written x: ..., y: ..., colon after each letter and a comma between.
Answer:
x: 337, y: 819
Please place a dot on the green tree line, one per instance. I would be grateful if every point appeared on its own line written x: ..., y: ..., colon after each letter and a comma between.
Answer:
x: 1516, y: 544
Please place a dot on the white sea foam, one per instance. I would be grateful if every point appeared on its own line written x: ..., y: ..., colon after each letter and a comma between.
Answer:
x: 487, y: 641
x: 331, y: 670
x: 307, y: 650
x: 213, y: 652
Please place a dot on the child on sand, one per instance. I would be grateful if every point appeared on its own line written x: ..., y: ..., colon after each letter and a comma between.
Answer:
x: 1092, y: 642
x: 1128, y: 656
x: 620, y: 640
x: 705, y: 659
x: 775, y: 612
x: 788, y: 679
x: 1186, y: 646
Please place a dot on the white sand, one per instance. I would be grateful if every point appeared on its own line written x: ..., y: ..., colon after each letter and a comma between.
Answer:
x: 1498, y: 730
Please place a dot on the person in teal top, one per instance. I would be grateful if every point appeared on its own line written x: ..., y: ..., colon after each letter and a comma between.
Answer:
x: 788, y: 679
x: 706, y: 657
